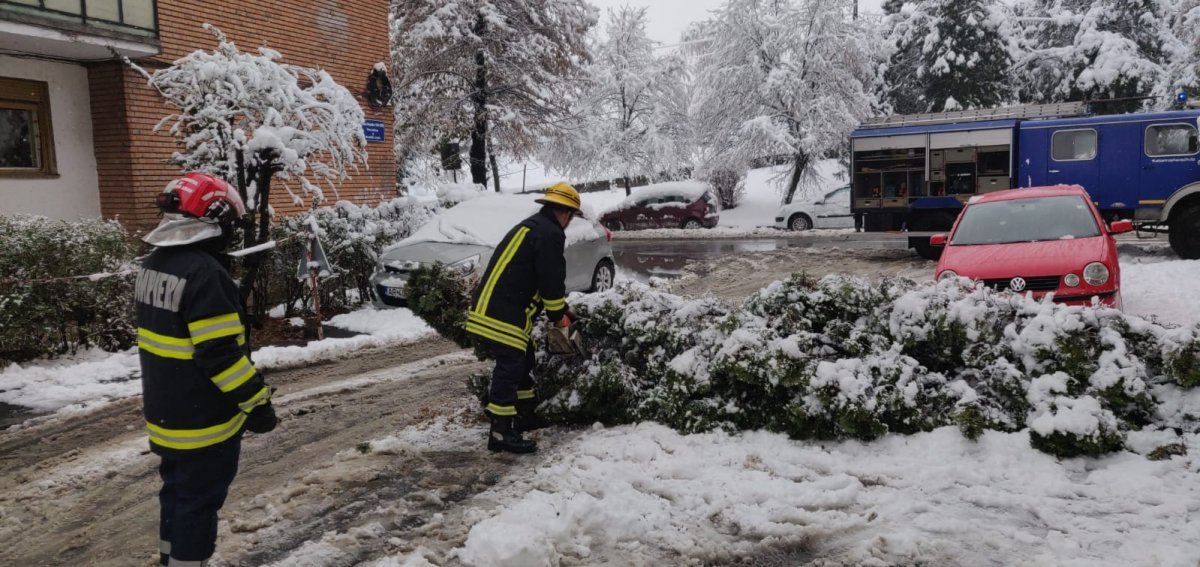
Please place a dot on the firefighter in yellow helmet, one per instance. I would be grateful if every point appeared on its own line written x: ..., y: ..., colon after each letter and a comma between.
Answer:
x: 525, y: 276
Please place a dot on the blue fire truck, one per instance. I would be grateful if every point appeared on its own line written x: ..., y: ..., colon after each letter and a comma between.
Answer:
x: 914, y: 172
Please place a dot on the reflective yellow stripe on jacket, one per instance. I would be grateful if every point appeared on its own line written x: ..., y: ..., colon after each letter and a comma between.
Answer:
x: 167, y: 347
x: 505, y: 258
x: 229, y: 379
x: 195, y: 438
x: 226, y: 325
x: 496, y: 330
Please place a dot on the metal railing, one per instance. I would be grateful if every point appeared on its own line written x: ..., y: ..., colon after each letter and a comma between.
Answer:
x: 117, y: 15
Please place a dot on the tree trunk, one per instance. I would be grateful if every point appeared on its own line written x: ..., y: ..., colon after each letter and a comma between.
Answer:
x: 628, y: 189
x: 262, y: 225
x: 797, y: 170
x: 495, y: 169
x: 479, y: 130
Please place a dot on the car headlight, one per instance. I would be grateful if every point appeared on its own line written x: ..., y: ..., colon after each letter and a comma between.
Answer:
x: 1071, y: 280
x: 1095, y: 274
x: 466, y: 265
x: 948, y: 275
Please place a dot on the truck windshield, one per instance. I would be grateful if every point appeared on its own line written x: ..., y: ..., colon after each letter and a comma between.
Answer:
x: 1025, y: 220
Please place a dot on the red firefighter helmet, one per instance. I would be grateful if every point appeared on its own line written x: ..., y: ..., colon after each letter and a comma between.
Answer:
x: 202, y: 196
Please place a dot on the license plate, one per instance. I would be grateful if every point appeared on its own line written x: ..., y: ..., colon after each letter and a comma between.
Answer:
x: 396, y: 292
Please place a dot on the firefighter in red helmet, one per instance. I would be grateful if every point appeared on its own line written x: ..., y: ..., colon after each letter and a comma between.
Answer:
x: 200, y: 388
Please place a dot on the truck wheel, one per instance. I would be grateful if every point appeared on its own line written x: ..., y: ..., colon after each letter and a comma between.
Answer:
x: 929, y: 222
x: 1184, y: 233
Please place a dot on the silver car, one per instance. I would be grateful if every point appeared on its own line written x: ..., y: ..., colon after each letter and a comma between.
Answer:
x: 465, y: 236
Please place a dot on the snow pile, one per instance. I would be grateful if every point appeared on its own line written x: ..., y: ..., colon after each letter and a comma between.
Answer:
x: 646, y: 495
x: 845, y: 358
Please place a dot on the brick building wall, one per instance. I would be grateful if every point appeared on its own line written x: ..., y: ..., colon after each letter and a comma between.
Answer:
x: 344, y: 37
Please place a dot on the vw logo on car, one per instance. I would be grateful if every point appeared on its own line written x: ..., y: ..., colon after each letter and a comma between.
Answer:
x: 1017, y: 284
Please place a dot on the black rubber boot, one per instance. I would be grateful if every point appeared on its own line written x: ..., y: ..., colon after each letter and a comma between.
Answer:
x: 504, y: 437
x: 528, y: 418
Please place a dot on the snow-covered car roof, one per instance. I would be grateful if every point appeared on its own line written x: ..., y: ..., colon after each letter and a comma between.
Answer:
x: 689, y: 189
x: 486, y: 219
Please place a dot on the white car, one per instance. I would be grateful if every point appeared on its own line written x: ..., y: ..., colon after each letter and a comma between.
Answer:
x: 465, y: 236
x: 830, y: 211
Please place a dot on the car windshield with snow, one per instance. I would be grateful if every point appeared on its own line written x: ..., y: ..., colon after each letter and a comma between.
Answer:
x: 686, y: 204
x: 465, y: 236
x: 1040, y: 240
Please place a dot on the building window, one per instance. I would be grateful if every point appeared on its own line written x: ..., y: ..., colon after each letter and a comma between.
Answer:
x: 1073, y: 145
x: 26, y: 136
x: 1171, y: 140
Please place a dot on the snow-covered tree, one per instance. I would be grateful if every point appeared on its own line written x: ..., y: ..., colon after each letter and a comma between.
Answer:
x: 628, y: 120
x: 1089, y: 50
x: 947, y: 55
x: 487, y: 70
x: 781, y: 77
x: 248, y: 118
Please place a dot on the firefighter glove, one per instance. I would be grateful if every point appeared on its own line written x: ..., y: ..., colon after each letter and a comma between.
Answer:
x: 262, y: 419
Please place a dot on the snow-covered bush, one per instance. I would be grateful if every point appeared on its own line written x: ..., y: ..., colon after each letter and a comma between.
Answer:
x: 43, y: 310
x: 442, y: 297
x: 250, y: 119
x: 729, y: 185
x: 353, y: 236
x: 843, y: 358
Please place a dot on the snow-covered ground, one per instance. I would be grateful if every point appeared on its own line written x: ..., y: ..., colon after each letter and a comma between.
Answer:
x: 92, y: 378
x: 626, y: 495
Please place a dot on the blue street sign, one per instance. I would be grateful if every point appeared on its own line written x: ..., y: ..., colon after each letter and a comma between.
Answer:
x: 373, y: 130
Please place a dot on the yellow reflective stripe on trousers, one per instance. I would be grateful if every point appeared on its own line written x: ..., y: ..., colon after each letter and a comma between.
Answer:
x: 195, y: 438
x: 525, y: 395
x: 555, y: 304
x: 497, y: 325
x: 234, y: 376
x: 164, y: 346
x: 256, y: 400
x: 493, y: 335
x: 225, y: 325
x: 502, y: 411
x: 505, y: 258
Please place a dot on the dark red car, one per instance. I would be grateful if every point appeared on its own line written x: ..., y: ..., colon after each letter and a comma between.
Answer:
x: 666, y: 205
x: 1040, y: 240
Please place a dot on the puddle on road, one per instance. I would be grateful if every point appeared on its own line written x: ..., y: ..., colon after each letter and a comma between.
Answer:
x: 11, y: 415
x: 644, y: 259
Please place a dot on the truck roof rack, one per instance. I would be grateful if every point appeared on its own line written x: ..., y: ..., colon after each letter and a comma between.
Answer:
x: 1056, y: 110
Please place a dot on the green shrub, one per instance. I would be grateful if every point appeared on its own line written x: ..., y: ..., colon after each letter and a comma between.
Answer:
x: 39, y: 318
x: 842, y: 358
x: 353, y: 238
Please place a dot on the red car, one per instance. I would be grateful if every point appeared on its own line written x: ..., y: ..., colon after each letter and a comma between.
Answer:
x: 1040, y: 240
x: 666, y: 205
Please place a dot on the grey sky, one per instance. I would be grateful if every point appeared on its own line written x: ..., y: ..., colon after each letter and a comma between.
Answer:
x: 668, y: 18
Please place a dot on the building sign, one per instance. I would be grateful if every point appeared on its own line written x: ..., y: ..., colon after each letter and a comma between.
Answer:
x: 373, y: 130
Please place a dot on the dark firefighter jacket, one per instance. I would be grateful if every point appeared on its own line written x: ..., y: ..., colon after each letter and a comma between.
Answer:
x: 526, y: 273
x: 198, y: 383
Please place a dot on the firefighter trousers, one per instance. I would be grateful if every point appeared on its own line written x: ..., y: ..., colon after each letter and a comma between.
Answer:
x: 194, y: 489
x: 512, y: 384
